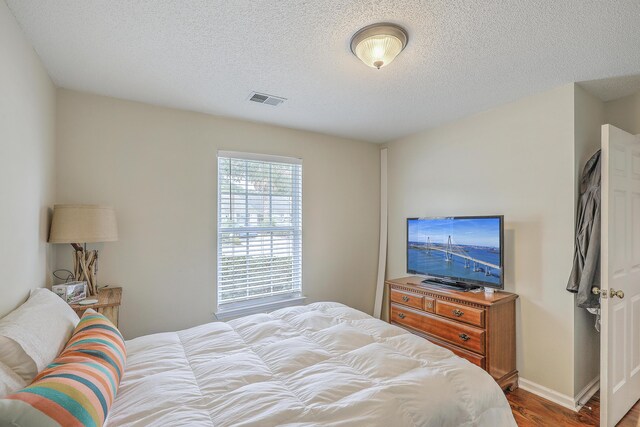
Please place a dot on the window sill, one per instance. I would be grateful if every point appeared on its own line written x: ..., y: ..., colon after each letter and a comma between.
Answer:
x: 234, y: 311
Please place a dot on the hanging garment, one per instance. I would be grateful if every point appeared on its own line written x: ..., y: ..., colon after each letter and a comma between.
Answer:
x: 586, y: 260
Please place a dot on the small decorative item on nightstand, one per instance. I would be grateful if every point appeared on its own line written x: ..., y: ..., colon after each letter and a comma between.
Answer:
x: 108, y: 304
x: 71, y: 292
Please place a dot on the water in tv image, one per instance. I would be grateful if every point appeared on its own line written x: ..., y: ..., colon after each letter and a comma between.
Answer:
x: 462, y: 248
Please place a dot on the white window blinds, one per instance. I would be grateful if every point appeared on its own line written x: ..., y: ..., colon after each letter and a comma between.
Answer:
x: 259, y: 227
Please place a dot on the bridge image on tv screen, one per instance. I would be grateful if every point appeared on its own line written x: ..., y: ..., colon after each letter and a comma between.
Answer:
x: 462, y: 248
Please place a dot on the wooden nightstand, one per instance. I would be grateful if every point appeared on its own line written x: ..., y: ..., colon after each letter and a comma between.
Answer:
x: 108, y: 304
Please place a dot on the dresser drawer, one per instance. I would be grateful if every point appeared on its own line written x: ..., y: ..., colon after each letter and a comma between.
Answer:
x: 463, y: 313
x: 459, y: 334
x: 474, y: 358
x: 429, y: 305
x: 405, y: 316
x: 407, y: 298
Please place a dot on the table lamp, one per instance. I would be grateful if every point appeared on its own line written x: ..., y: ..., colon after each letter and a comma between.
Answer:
x: 79, y: 225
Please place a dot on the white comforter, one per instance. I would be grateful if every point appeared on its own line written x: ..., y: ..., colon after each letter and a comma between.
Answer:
x: 320, y: 364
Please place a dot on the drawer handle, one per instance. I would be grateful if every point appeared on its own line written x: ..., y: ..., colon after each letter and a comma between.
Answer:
x: 401, y: 315
x: 405, y: 298
x: 457, y: 312
x: 464, y: 337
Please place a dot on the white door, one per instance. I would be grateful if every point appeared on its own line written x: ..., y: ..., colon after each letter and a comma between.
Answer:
x: 620, y: 297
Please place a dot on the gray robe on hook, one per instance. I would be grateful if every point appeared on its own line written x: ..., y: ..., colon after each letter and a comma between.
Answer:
x: 586, y: 260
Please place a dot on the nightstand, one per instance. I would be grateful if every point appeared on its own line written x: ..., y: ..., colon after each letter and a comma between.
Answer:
x: 108, y: 304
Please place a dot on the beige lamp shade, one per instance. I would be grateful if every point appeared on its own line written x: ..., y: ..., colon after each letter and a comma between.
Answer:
x: 83, y: 224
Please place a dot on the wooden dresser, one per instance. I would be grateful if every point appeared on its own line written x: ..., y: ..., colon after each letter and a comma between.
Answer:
x: 477, y: 326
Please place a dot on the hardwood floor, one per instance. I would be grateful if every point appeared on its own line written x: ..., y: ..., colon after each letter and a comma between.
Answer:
x: 632, y: 419
x: 531, y: 410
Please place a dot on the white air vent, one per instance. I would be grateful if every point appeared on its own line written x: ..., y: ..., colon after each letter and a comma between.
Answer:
x: 263, y: 98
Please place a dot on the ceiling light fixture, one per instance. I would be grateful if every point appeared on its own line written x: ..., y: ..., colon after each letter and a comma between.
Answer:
x: 378, y: 44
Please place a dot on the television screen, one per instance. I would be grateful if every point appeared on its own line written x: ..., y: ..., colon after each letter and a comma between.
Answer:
x: 467, y: 250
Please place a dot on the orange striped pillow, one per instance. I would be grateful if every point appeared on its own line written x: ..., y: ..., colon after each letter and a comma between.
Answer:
x: 79, y: 386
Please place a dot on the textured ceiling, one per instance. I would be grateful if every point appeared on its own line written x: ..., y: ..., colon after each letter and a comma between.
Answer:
x: 208, y: 55
x: 613, y: 88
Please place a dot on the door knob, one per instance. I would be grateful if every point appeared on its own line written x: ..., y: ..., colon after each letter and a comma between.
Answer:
x: 597, y: 291
x: 615, y: 293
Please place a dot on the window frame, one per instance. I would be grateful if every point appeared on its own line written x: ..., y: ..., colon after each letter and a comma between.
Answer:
x: 266, y: 303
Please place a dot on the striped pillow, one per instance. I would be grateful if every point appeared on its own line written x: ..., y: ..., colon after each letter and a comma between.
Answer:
x: 79, y: 386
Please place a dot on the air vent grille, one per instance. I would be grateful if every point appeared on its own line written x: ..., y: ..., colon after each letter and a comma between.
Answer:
x: 258, y: 98
x: 263, y: 98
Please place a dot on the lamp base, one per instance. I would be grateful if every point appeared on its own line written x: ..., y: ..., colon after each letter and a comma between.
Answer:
x: 84, y: 268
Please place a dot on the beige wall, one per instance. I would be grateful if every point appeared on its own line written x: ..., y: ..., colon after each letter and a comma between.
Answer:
x: 27, y: 137
x: 588, y: 121
x: 157, y: 167
x: 624, y: 113
x: 516, y: 160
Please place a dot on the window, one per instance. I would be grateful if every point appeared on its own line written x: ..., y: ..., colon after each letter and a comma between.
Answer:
x: 259, y: 229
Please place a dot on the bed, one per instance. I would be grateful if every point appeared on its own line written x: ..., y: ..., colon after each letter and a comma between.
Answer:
x: 320, y: 364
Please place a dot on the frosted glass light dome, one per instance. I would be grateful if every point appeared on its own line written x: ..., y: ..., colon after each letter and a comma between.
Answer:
x: 379, y: 44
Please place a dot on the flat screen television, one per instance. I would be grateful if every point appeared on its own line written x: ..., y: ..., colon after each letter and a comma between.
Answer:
x: 463, y: 252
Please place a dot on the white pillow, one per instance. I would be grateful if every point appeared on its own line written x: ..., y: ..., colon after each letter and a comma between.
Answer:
x: 14, y: 357
x: 10, y: 382
x: 32, y: 335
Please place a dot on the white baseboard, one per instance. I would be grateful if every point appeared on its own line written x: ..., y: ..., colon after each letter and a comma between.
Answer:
x: 547, y: 393
x: 587, y: 392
